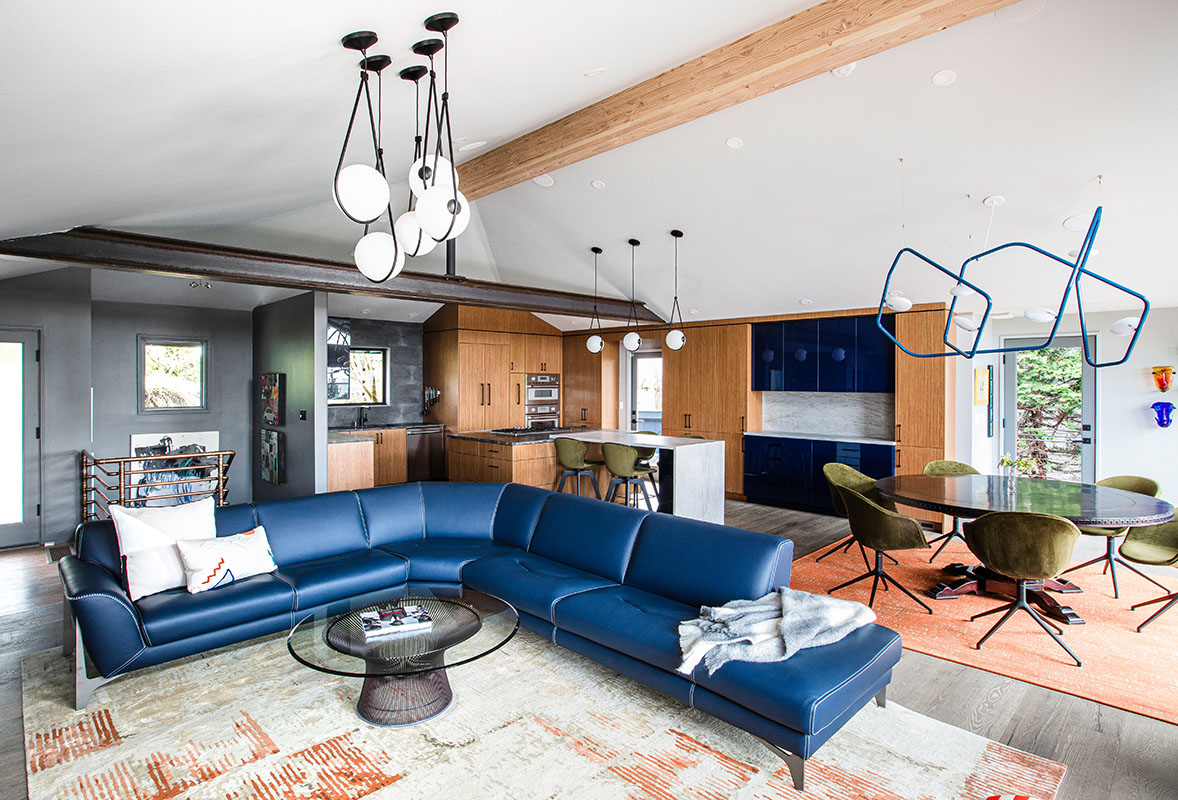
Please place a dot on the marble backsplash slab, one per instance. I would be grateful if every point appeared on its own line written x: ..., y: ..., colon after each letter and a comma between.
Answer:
x: 868, y: 415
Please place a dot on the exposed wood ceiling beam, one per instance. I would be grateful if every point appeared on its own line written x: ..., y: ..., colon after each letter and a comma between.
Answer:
x: 90, y: 247
x: 809, y: 43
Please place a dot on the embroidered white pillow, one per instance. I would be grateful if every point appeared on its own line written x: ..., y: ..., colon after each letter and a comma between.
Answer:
x: 147, y: 542
x: 209, y: 563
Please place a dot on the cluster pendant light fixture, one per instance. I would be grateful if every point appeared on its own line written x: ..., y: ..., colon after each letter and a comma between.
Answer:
x: 595, y: 343
x: 675, y: 337
x: 632, y: 340
x: 436, y: 211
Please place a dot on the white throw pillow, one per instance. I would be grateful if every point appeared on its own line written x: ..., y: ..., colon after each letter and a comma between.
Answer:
x: 147, y: 542
x: 209, y: 563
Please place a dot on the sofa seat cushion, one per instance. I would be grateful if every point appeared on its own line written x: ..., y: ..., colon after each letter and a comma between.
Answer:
x: 640, y: 624
x: 324, y: 580
x: 531, y: 583
x: 442, y: 559
x: 811, y: 689
x: 176, y: 614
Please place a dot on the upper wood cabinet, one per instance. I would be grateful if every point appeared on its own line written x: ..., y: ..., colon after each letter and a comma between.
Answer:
x: 518, y: 346
x: 589, y: 384
x: 483, y: 386
x: 542, y: 354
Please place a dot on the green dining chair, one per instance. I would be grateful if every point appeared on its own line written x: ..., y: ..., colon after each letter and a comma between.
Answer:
x: 1028, y: 548
x: 622, y: 462
x: 1128, y: 483
x: 837, y: 475
x: 945, y: 468
x: 645, y: 454
x: 1154, y: 545
x: 878, y: 529
x: 571, y: 455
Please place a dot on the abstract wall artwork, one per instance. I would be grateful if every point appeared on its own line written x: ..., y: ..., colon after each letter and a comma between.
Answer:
x: 270, y: 462
x: 183, y: 482
x: 274, y: 398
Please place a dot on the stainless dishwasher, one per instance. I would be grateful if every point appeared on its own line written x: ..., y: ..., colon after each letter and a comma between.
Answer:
x: 425, y: 447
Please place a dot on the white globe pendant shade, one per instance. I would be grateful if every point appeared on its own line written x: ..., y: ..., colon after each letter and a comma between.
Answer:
x: 413, y: 240
x: 632, y: 341
x: 363, y: 193
x: 676, y: 339
x: 422, y: 177
x: 898, y: 302
x: 1125, y: 326
x: 965, y: 322
x: 377, y: 256
x: 961, y: 290
x: 595, y: 344
x: 1039, y: 314
x: 435, y: 212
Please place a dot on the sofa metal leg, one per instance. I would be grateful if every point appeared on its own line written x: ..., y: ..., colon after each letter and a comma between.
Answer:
x: 84, y: 685
x: 881, y: 698
x: 796, y: 764
x: 67, y: 627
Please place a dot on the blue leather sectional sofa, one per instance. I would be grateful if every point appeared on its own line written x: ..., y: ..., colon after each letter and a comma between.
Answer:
x: 606, y: 581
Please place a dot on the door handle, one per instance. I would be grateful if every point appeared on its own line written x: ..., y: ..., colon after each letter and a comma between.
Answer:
x: 742, y: 424
x: 517, y: 393
x: 897, y: 431
x: 488, y: 394
x: 482, y: 394
x: 685, y: 421
x: 897, y: 459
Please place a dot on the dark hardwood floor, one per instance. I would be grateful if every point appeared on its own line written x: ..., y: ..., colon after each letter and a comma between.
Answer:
x: 1110, y: 753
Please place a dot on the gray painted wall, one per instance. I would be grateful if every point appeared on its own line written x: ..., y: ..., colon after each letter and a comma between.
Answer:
x: 57, y: 304
x: 286, y: 339
x: 403, y: 341
x: 116, y: 327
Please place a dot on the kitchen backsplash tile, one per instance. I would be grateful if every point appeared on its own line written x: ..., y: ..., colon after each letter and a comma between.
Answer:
x: 839, y: 413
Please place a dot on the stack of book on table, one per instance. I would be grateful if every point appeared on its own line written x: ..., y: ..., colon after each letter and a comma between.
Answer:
x: 394, y: 621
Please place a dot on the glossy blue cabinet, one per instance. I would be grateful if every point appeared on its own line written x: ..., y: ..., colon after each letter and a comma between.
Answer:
x: 788, y: 472
x: 841, y: 354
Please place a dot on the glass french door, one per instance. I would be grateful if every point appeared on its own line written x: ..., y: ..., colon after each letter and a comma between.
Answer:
x: 1049, y: 402
x: 646, y: 392
x: 20, y: 451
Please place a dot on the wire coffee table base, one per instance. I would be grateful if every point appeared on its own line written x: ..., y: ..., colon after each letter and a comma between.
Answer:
x: 398, y: 701
x: 976, y: 579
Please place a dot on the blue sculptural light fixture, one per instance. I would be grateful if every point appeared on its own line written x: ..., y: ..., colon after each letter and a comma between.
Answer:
x: 1162, y: 411
x: 963, y: 287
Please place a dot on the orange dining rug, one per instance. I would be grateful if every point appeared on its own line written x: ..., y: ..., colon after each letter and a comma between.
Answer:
x: 1134, y: 671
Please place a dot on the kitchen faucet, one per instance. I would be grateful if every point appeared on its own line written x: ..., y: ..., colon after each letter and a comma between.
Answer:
x: 361, y: 416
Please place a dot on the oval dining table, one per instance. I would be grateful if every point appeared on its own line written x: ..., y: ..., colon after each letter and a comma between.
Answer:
x: 971, y: 496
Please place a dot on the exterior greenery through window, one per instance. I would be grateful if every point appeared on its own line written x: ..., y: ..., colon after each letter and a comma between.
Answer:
x: 365, y: 381
x: 173, y: 375
x: 1049, y: 404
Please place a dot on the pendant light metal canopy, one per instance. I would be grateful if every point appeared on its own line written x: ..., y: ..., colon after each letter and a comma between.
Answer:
x: 676, y: 338
x: 632, y: 340
x: 595, y: 343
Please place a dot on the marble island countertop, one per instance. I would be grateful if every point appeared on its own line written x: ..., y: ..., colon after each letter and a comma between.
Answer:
x: 822, y: 437
x: 501, y: 438
x: 585, y: 435
x: 340, y: 437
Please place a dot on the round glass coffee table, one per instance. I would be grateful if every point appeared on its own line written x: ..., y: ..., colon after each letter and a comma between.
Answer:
x: 405, y: 673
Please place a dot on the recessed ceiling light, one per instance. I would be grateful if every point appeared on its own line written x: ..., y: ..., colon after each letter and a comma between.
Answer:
x: 693, y: 311
x: 844, y: 71
x: 593, y: 73
x: 735, y: 143
x: 806, y: 301
x: 466, y: 148
x: 573, y: 322
x: 412, y: 313
x: 1093, y: 253
x: 944, y: 77
x: 543, y: 180
x: 1076, y: 222
x: 462, y: 139
x: 366, y: 311
x: 1020, y: 12
x: 597, y: 184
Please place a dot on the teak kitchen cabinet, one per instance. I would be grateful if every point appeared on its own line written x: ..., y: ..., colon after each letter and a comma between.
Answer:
x: 389, y: 457
x: 589, y: 384
x: 542, y: 354
x: 483, y: 386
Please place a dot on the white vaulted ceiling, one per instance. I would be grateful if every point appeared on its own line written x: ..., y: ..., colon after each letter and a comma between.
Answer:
x: 222, y: 122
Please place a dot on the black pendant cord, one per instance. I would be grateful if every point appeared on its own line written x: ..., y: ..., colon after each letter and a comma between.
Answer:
x: 361, y: 91
x: 444, y: 117
x: 633, y: 315
x: 596, y: 318
x: 416, y: 133
x: 675, y: 306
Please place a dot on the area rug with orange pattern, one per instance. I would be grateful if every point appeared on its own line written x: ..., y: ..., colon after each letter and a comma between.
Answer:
x: 1134, y: 671
x: 531, y: 720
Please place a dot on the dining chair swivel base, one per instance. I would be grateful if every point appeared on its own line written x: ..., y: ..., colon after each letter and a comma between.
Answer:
x: 879, y: 576
x: 1111, y: 559
x: 1020, y: 603
x: 1169, y: 600
x: 844, y: 545
x: 945, y: 538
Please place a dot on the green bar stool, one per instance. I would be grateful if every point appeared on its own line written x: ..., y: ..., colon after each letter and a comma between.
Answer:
x: 645, y: 454
x: 1029, y: 548
x: 948, y: 467
x: 1156, y: 545
x: 571, y: 455
x: 850, y: 478
x: 879, y: 529
x: 1128, y: 483
x: 622, y: 462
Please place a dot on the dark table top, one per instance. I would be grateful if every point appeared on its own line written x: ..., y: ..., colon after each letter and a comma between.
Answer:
x: 974, y: 495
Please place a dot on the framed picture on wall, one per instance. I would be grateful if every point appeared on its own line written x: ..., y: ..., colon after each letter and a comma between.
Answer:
x: 270, y: 463
x: 274, y: 398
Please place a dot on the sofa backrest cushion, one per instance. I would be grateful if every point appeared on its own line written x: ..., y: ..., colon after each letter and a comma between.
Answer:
x: 96, y: 541
x: 393, y: 513
x: 703, y: 564
x: 587, y: 534
x: 232, y: 520
x: 306, y: 528
x: 517, y: 515
x: 460, y: 510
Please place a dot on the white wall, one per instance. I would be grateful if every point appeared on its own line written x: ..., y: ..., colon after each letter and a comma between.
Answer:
x: 1128, y: 441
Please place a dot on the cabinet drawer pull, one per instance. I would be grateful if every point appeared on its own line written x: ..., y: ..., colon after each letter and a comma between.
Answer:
x: 517, y: 393
x: 482, y: 394
x: 742, y: 423
x: 897, y: 431
x: 897, y: 459
x: 488, y: 394
x: 492, y: 466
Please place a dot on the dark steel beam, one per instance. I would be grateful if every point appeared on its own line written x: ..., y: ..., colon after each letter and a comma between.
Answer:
x: 92, y: 247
